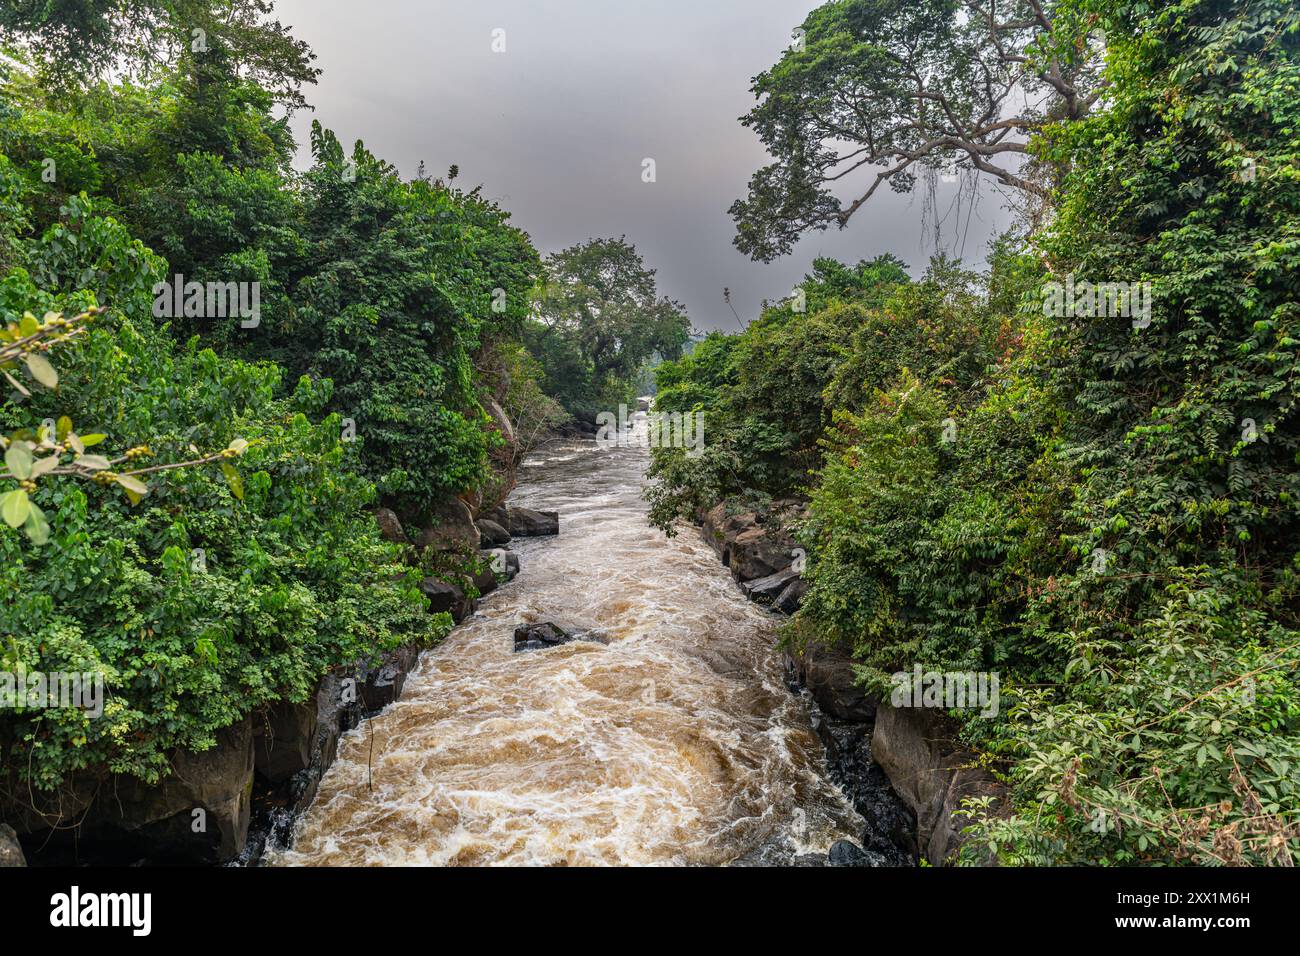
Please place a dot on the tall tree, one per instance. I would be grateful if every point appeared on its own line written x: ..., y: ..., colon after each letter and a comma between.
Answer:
x: 78, y: 40
x: 601, y: 306
x: 887, y: 89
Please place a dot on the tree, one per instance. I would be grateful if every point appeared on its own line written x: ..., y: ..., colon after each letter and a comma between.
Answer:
x: 77, y: 40
x: 898, y: 87
x: 600, y: 317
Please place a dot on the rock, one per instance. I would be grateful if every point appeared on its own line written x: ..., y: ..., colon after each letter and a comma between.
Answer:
x: 492, y: 533
x: 498, y: 515
x: 748, y: 548
x: 765, y: 590
x: 452, y: 528
x: 11, y: 851
x: 643, y: 403
x: 932, y: 772
x: 827, y: 673
x: 209, y: 792
x: 446, y: 597
x: 530, y: 637
x: 283, y: 739
x: 503, y: 562
x: 485, y: 580
x: 789, y: 600
x: 757, y: 553
x: 384, y: 683
x: 579, y: 427
x: 890, y: 829
x: 390, y: 526
x: 847, y: 853
x: 525, y: 522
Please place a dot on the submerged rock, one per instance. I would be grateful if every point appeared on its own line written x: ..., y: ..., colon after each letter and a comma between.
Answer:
x: 848, y: 853
x: 530, y: 637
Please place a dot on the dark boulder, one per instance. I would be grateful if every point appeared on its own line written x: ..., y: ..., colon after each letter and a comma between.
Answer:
x: 492, y: 533
x: 827, y: 673
x: 748, y: 547
x: 390, y: 526
x: 451, y: 528
x: 758, y: 552
x: 525, y: 522
x: 529, y: 637
x: 765, y: 590
x: 847, y: 853
x: 484, y: 579
x: 283, y: 739
x: 384, y: 683
x: 11, y: 852
x: 791, y: 597
x: 199, y: 813
x: 446, y: 597
x: 933, y: 772
x: 503, y: 563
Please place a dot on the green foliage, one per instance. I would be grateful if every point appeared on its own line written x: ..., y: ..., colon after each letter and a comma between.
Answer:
x: 1099, y: 508
x: 208, y: 599
x: 600, y: 318
x: 74, y: 40
x: 886, y: 92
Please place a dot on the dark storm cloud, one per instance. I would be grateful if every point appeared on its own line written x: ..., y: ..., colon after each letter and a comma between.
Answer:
x: 557, y: 126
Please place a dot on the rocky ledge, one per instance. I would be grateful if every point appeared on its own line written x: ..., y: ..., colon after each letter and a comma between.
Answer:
x: 903, y: 768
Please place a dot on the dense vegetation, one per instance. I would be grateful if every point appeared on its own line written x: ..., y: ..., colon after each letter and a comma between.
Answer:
x: 1103, y: 509
x: 390, y: 316
x: 600, y: 320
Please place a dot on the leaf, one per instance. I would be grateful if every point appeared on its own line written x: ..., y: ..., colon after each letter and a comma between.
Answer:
x: 14, y: 507
x: 62, y: 427
x: 41, y: 370
x: 135, y: 488
x: 18, y: 386
x: 93, y: 462
x: 238, y: 446
x: 28, y: 325
x: 232, y: 478
x: 43, y: 466
x: 36, y: 525
x: 89, y: 441
x: 18, y: 459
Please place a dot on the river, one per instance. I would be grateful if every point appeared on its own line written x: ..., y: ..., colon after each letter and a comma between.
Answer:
x: 676, y: 742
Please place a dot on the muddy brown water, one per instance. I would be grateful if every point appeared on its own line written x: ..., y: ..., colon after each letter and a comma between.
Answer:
x: 676, y: 742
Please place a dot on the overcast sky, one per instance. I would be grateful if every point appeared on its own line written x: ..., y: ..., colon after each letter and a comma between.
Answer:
x: 556, y: 127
